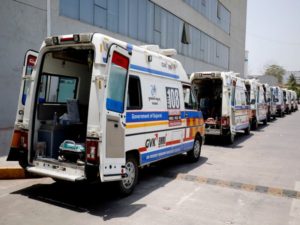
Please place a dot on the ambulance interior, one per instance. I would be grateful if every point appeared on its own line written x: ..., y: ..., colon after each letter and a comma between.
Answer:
x: 61, y: 107
x: 209, y: 97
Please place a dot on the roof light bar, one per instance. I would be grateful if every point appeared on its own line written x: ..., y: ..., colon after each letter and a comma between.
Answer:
x: 77, y: 38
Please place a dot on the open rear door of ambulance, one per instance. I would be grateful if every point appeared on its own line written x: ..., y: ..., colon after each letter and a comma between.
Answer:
x: 112, y: 158
x: 232, y: 111
x: 29, y: 63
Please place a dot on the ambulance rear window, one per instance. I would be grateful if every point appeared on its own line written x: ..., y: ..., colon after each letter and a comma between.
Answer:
x: 57, y: 89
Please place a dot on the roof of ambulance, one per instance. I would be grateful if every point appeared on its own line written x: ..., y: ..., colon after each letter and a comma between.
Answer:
x: 178, y: 73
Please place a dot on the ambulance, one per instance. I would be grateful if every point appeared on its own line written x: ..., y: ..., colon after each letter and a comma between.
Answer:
x: 294, y: 101
x: 277, y: 96
x: 271, y: 104
x: 222, y: 99
x: 287, y: 101
x: 98, y: 109
x: 258, y: 103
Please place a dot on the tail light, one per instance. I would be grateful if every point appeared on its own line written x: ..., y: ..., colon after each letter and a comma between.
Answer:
x: 19, y: 139
x: 92, y: 154
x: 225, y: 121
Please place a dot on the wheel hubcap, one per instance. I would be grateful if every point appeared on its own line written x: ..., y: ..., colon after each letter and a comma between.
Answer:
x: 130, y: 175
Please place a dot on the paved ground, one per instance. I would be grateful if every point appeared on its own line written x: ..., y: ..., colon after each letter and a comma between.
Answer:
x: 254, y: 181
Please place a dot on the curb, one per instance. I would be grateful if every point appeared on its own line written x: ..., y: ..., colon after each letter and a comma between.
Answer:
x: 12, y: 173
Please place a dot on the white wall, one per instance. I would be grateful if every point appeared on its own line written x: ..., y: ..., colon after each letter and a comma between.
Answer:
x: 22, y: 28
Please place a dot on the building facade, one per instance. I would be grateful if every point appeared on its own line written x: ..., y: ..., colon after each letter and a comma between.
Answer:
x: 207, y: 34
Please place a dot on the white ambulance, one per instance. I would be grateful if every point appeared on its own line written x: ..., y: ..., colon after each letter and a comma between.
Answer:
x: 98, y: 109
x: 287, y: 100
x: 271, y: 104
x: 277, y: 96
x: 258, y: 102
x: 222, y: 100
x: 294, y: 101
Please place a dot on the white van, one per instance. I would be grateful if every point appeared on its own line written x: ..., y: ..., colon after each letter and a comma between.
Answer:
x: 258, y: 103
x: 98, y: 108
x: 294, y: 101
x: 287, y: 101
x: 222, y: 100
x: 271, y: 104
x: 277, y: 96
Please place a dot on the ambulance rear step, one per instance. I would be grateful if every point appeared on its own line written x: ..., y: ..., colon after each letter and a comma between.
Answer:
x: 54, y: 169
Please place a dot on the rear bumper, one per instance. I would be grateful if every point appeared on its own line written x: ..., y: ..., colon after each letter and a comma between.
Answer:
x: 217, y: 132
x: 57, y: 170
x: 212, y: 131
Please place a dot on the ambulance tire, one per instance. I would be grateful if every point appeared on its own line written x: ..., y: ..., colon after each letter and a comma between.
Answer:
x: 23, y: 164
x: 268, y: 117
x: 194, y: 154
x: 229, y: 138
x: 254, y: 124
x: 23, y: 161
x: 127, y: 185
x: 265, y: 121
x: 281, y: 114
x: 247, y: 130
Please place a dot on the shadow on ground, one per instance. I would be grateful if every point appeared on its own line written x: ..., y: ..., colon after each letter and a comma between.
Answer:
x: 217, y: 141
x: 103, y: 199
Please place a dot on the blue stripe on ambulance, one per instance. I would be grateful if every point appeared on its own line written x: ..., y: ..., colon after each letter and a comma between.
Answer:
x: 154, y: 72
x: 166, y: 152
x: 240, y: 107
x: 132, y: 117
x: 191, y: 114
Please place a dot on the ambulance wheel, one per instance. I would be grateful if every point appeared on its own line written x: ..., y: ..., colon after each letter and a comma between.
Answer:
x: 269, y: 117
x: 229, y: 139
x: 194, y: 154
x: 127, y: 184
x: 255, y: 125
x: 247, y: 130
x: 23, y: 163
x: 265, y: 121
x: 281, y: 114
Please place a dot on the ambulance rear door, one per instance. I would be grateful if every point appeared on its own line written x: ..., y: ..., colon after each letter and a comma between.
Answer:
x: 112, y: 159
x: 29, y: 63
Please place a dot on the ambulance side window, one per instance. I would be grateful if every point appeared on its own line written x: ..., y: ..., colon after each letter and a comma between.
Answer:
x: 233, y: 96
x: 134, y: 98
x: 189, y: 98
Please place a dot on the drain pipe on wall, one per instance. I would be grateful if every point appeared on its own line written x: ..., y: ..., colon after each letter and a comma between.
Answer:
x: 48, y: 18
